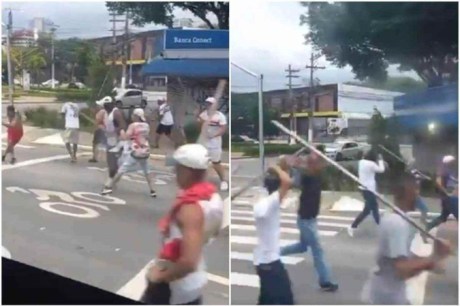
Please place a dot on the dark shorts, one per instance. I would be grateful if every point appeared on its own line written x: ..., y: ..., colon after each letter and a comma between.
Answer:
x: 99, y: 137
x: 160, y: 294
x: 164, y: 129
x: 275, y: 286
x: 112, y: 162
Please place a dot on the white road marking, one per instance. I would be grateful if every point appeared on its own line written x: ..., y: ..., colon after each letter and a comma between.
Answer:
x: 226, y: 216
x: 246, y: 280
x: 4, y: 145
x: 16, y: 189
x: 253, y: 240
x: 88, y: 212
x: 38, y: 161
x: 288, y: 260
x: 293, y: 215
x: 331, y: 224
x: 134, y: 288
x: 282, y: 230
x: 6, y: 253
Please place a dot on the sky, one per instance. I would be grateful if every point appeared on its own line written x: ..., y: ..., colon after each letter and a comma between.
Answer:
x: 266, y: 37
x: 75, y: 19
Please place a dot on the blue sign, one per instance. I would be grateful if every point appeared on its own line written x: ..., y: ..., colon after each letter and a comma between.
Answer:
x: 196, y: 39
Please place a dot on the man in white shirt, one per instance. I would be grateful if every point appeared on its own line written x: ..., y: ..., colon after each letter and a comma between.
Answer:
x: 396, y: 263
x: 367, y: 168
x: 71, y: 111
x: 217, y: 126
x: 166, y: 121
x: 275, y: 286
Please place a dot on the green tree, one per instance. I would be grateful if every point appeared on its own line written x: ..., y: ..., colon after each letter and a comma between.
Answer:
x: 35, y: 63
x: 100, y: 79
x: 31, y: 59
x: 369, y: 36
x: 162, y: 12
x: 269, y: 115
x: 400, y: 84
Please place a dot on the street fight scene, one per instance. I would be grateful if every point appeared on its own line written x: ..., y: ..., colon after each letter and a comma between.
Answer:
x: 297, y: 153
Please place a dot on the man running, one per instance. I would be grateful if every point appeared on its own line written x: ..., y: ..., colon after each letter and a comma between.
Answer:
x: 71, y: 113
x: 99, y: 134
x: 15, y: 132
x: 309, y: 206
x: 178, y: 276
x: 395, y: 261
x: 114, y: 127
x: 367, y: 168
x: 166, y: 122
x: 447, y: 183
x: 275, y: 286
x: 136, y: 154
x: 217, y: 126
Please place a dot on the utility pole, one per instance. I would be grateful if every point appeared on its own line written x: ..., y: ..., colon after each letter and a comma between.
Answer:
x: 53, y: 30
x: 311, y: 93
x: 125, y: 53
x: 291, y: 76
x: 114, y: 31
x: 9, y: 28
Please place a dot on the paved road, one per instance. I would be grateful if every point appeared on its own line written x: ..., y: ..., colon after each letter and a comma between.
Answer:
x: 350, y: 259
x: 54, y: 219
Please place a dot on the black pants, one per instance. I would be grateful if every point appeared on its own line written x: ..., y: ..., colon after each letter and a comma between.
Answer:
x: 449, y: 206
x: 160, y: 294
x: 370, y: 205
x: 275, y: 286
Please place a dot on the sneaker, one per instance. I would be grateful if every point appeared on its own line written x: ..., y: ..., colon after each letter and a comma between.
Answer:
x: 351, y: 231
x: 106, y: 191
x: 92, y: 160
x: 3, y: 158
x: 329, y: 287
x: 13, y: 161
x: 153, y: 193
x: 223, y: 186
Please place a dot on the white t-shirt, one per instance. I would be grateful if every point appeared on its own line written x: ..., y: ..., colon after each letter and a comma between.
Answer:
x: 395, y: 238
x: 71, y: 111
x: 165, y: 112
x: 267, y: 215
x: 215, y: 123
x: 367, y: 170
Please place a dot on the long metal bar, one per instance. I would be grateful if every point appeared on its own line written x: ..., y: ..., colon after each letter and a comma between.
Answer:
x: 354, y: 178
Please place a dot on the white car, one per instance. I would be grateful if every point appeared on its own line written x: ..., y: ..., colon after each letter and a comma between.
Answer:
x: 344, y: 150
x: 49, y: 83
x: 130, y: 98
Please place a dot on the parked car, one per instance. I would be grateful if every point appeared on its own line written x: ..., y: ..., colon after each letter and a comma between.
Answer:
x: 344, y: 150
x: 130, y: 98
x: 76, y: 85
x: 49, y: 83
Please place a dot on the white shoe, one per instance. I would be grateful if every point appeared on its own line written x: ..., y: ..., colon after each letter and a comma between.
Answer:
x: 351, y: 231
x: 223, y: 186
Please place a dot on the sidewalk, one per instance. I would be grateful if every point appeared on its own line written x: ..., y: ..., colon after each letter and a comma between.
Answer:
x: 29, y: 99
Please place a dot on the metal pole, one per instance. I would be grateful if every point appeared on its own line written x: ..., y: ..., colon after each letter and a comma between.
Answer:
x: 310, y: 101
x: 52, y: 58
x: 261, y: 125
x: 8, y: 56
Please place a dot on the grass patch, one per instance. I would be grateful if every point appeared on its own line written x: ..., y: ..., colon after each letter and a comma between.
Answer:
x: 52, y: 119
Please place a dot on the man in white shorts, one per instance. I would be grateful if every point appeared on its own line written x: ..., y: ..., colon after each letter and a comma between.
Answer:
x: 217, y: 126
x: 70, y: 111
x: 166, y: 122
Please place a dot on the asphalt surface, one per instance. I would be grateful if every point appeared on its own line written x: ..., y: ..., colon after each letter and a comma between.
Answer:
x: 350, y: 259
x: 102, y: 241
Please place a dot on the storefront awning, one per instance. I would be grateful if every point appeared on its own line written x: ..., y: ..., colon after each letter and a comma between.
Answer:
x: 194, y: 68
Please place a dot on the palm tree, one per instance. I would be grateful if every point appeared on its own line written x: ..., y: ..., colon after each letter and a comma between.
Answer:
x: 35, y: 63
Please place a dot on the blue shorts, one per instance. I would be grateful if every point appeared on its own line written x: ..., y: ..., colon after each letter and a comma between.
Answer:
x: 421, y: 205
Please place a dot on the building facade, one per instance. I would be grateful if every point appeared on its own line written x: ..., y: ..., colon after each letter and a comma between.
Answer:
x: 23, y: 38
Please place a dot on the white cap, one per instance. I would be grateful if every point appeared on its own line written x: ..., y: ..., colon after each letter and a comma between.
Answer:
x: 211, y: 100
x: 139, y: 112
x: 105, y: 100
x: 448, y: 159
x: 193, y: 156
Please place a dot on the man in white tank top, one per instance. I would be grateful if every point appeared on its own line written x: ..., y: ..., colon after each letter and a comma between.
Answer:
x: 178, y: 275
x: 137, y: 154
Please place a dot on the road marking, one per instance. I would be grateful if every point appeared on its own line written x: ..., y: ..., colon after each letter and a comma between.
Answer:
x: 282, y: 230
x: 4, y: 145
x: 331, y: 224
x: 293, y: 215
x: 134, y: 288
x: 6, y: 253
x: 16, y: 189
x: 253, y: 240
x: 246, y: 280
x: 288, y: 260
x: 226, y: 216
x: 89, y: 212
x: 39, y: 161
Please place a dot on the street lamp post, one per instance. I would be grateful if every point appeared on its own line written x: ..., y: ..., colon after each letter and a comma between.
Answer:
x: 260, y: 79
x: 9, y: 27
x: 53, y: 30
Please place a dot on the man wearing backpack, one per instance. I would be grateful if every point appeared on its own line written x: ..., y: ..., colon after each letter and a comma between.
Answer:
x: 136, y: 153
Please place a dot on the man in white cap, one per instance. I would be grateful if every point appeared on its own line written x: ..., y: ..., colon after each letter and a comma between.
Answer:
x: 114, y: 128
x: 447, y: 183
x: 178, y: 275
x: 136, y: 154
x: 71, y: 113
x: 99, y: 133
x: 212, y: 140
x: 166, y: 121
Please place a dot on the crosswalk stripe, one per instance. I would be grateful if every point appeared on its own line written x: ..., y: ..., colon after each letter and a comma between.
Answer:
x: 288, y: 260
x: 4, y: 145
x: 282, y: 230
x: 244, y: 279
x: 331, y: 224
x: 293, y: 215
x: 253, y: 240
